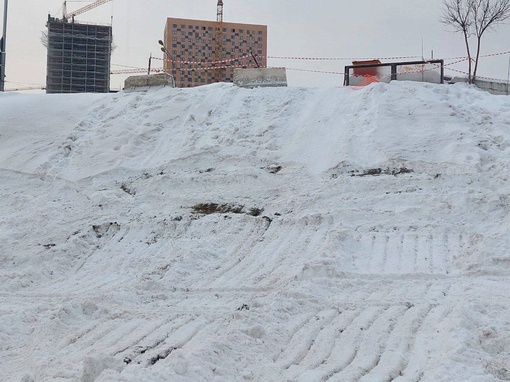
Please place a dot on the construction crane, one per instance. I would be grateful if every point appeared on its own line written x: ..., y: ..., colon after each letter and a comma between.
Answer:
x: 219, y: 12
x: 219, y: 41
x: 71, y: 15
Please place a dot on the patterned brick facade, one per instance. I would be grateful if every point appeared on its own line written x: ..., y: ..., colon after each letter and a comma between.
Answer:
x: 195, y: 41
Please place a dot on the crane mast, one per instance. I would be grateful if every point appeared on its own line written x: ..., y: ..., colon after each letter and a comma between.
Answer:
x: 219, y: 41
x: 219, y: 13
x: 71, y: 15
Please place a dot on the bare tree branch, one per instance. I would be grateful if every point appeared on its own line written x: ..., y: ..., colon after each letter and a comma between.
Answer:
x: 459, y: 15
x: 487, y: 14
x: 474, y: 18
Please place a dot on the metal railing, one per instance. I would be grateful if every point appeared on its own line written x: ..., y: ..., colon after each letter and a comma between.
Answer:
x: 423, y: 71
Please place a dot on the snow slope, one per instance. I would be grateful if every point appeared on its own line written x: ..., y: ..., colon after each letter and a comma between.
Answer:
x: 381, y: 251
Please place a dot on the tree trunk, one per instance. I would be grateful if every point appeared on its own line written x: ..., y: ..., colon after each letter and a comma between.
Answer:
x: 479, y: 43
x: 466, y: 40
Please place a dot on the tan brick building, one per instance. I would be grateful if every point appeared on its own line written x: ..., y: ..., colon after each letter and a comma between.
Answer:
x: 192, y: 48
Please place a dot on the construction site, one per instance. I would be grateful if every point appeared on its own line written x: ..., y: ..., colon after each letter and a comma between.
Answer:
x: 199, y: 52
x: 196, y: 52
x: 79, y: 55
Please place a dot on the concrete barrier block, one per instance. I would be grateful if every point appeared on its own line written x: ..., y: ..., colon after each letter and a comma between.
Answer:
x: 148, y: 81
x: 493, y: 87
x: 260, y: 77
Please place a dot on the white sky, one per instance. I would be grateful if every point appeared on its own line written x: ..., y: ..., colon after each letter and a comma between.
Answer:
x: 303, y: 28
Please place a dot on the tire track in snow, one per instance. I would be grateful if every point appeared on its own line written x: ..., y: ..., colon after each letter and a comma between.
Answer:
x: 352, y: 336
x: 344, y: 349
x: 292, y: 258
x: 254, y: 262
x: 392, y: 247
x: 103, y: 333
x: 114, y: 333
x: 303, y: 339
x: 406, y: 252
x: 118, y: 336
x: 375, y: 337
x: 419, y: 353
x: 285, y: 246
x: 296, y: 327
x: 152, y: 339
x: 371, y: 253
x: 85, y: 281
x: 415, y: 254
x: 384, y: 260
x: 455, y: 242
x: 395, y: 358
x: 178, y: 339
x: 139, y: 341
x: 433, y: 253
x: 138, y: 334
x: 235, y: 259
x: 323, y: 345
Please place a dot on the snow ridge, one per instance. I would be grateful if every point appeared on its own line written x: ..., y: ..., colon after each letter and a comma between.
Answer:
x: 365, y: 239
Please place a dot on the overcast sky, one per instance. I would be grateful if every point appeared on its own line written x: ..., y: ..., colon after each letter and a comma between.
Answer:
x: 303, y: 28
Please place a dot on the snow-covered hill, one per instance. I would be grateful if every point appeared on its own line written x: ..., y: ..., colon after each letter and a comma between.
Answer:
x: 225, y: 234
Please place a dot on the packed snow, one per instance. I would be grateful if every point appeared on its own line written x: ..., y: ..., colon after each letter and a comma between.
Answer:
x: 283, y: 234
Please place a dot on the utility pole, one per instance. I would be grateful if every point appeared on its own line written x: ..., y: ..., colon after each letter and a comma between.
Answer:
x: 168, y: 59
x: 2, y: 50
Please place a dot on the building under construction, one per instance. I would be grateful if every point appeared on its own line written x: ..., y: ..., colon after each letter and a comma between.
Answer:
x: 202, y: 52
x: 78, y: 58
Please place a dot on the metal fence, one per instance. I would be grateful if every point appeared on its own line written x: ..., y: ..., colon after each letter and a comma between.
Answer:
x: 420, y: 71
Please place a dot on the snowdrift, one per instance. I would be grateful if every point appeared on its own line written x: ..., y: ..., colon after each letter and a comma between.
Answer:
x: 282, y: 234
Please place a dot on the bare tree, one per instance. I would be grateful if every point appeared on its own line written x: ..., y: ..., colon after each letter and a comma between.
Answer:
x: 458, y: 14
x: 473, y: 18
x: 487, y: 13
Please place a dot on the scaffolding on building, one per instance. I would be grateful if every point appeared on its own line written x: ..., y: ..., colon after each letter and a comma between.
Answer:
x: 79, y: 57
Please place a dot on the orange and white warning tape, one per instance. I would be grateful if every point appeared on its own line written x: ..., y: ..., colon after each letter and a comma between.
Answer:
x: 205, y: 66
x: 456, y: 62
x: 339, y: 58
x: 314, y: 71
x: 496, y: 54
x: 485, y: 78
x: 248, y: 56
x: 203, y: 62
x: 215, y: 68
x: 136, y: 70
x: 161, y: 70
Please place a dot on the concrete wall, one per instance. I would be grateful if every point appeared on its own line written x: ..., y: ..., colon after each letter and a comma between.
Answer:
x: 260, y: 77
x: 493, y: 87
x: 148, y: 81
x: 498, y: 88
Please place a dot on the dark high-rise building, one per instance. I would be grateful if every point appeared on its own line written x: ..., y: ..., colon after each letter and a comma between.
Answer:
x: 195, y: 47
x: 78, y: 58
